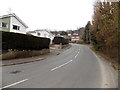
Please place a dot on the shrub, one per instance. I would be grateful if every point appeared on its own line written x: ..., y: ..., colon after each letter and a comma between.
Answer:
x: 23, y: 42
x: 60, y: 40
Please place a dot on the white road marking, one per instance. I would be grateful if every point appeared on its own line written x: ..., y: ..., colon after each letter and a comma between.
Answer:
x: 14, y: 84
x: 77, y: 55
x: 61, y: 65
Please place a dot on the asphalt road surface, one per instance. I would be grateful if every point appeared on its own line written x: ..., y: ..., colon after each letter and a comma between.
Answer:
x: 77, y: 67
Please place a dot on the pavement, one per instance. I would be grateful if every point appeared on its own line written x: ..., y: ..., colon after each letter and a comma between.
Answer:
x: 76, y: 67
x: 53, y: 52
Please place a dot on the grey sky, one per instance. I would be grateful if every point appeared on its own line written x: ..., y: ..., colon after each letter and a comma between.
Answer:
x: 50, y: 14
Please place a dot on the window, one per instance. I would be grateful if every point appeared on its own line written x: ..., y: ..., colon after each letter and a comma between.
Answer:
x: 38, y: 34
x: 45, y: 35
x: 15, y: 27
x: 49, y: 36
x: 4, y: 25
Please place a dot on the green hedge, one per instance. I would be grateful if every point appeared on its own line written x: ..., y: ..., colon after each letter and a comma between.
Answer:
x: 60, y: 40
x: 23, y: 42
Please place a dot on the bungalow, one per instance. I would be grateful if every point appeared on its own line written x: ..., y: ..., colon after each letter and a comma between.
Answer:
x: 12, y: 23
x: 42, y: 33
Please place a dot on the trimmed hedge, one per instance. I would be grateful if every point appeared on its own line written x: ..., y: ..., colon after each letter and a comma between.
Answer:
x: 23, y: 42
x: 60, y: 40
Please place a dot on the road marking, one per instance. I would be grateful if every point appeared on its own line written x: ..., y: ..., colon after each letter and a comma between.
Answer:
x: 77, y: 55
x: 14, y: 84
x: 61, y: 65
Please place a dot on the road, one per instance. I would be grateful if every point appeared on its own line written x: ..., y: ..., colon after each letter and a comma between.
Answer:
x: 77, y: 67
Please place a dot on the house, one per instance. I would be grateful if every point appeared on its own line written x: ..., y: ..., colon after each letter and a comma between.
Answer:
x: 12, y: 23
x: 75, y: 38
x: 42, y: 33
x: 72, y: 35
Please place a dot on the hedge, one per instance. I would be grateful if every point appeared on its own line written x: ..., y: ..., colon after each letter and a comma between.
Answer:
x: 23, y: 42
x: 60, y: 40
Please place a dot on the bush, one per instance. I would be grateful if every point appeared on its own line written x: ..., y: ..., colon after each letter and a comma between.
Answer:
x: 23, y: 42
x: 60, y: 40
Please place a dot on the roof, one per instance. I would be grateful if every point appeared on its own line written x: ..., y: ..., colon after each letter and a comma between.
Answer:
x: 31, y: 32
x: 14, y: 15
x: 40, y: 30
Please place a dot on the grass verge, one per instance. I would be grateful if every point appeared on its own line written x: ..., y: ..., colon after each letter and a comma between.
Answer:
x: 23, y: 54
x: 114, y: 63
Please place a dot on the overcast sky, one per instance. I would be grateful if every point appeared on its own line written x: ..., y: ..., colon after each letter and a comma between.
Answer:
x: 50, y: 14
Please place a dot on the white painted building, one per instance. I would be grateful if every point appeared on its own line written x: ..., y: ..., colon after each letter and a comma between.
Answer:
x: 75, y: 38
x: 12, y: 23
x: 42, y: 33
